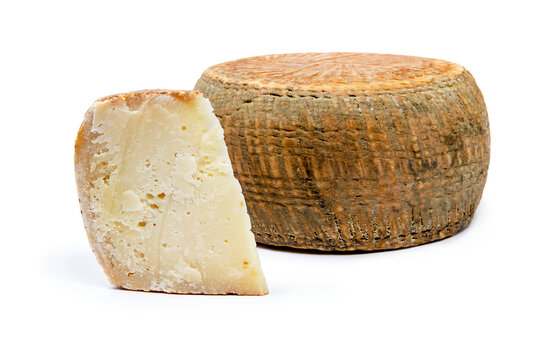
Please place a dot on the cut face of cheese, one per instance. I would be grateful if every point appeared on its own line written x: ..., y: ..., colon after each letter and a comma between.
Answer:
x: 161, y: 206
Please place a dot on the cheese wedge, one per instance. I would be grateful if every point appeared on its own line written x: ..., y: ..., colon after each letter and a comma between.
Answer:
x: 161, y: 206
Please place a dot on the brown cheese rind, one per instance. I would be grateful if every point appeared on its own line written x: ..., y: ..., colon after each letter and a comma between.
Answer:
x: 347, y: 151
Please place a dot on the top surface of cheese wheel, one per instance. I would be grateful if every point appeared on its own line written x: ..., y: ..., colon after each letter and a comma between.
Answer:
x: 333, y: 72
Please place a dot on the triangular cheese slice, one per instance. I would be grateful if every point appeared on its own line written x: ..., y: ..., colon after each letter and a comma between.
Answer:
x: 160, y: 203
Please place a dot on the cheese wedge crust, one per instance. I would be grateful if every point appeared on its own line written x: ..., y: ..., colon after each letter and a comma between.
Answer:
x: 160, y: 203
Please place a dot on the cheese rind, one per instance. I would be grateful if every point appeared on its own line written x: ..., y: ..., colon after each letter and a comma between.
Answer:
x: 162, y: 208
x: 352, y: 151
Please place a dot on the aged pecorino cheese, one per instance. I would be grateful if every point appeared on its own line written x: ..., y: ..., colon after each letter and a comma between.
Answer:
x: 160, y: 203
x: 349, y: 151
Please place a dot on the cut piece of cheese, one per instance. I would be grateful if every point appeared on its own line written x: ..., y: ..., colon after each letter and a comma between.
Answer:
x: 160, y: 203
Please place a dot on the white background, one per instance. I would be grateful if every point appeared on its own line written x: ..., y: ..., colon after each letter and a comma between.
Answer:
x: 473, y: 296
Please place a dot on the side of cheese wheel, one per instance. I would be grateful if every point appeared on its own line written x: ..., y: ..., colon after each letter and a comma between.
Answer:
x: 352, y: 151
x: 161, y: 206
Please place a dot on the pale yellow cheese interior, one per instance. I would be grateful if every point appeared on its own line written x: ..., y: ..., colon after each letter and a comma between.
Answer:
x: 166, y: 204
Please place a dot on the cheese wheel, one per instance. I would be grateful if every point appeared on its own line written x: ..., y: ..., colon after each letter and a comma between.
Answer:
x: 352, y: 151
x: 160, y: 203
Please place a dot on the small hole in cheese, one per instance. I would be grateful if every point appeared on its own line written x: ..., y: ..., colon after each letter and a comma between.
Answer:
x: 184, y: 128
x: 142, y: 223
x: 161, y: 196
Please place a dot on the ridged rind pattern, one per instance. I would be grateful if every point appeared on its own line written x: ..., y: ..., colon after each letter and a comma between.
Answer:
x: 383, y: 166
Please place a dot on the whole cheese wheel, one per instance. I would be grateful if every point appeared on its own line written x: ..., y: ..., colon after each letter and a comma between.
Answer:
x: 352, y: 151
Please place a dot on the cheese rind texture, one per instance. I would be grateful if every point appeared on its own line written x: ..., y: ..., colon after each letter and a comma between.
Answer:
x: 352, y: 151
x: 161, y: 206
